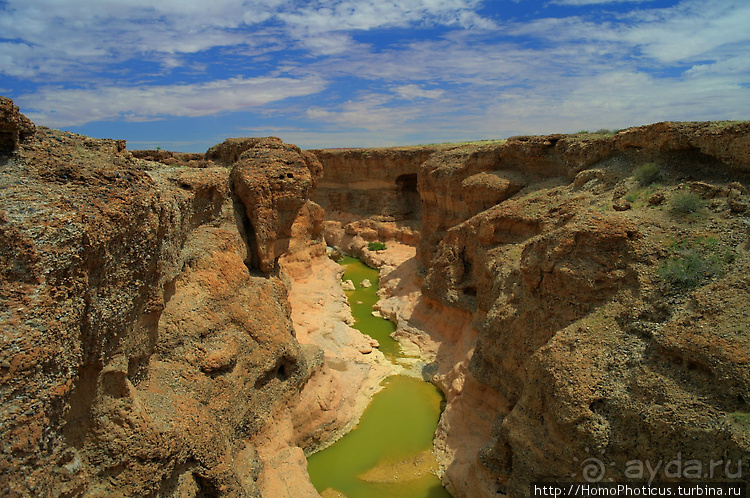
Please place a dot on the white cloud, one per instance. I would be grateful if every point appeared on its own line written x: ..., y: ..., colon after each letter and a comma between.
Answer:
x: 578, y: 3
x: 70, y: 107
x: 730, y: 66
x: 60, y: 36
x: 344, y: 15
x: 328, y: 43
x: 411, y: 92
x: 373, y: 112
x: 614, y: 99
x: 52, y: 37
x: 690, y: 30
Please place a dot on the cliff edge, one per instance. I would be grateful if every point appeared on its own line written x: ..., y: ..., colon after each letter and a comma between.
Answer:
x: 146, y: 336
x: 585, y: 298
x: 606, y: 277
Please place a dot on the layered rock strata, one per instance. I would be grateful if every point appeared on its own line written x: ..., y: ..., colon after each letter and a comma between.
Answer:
x: 365, y: 182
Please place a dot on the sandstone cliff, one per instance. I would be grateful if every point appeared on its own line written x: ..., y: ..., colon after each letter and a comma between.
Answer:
x: 145, y: 336
x: 370, y: 195
x: 575, y: 270
x: 589, y: 293
x: 363, y: 182
x: 580, y: 296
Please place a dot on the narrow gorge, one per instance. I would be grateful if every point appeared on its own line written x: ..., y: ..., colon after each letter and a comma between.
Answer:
x: 173, y: 326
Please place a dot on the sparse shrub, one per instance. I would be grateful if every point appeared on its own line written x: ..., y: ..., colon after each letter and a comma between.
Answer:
x: 684, y: 203
x: 687, y: 270
x: 604, y: 131
x: 633, y: 196
x: 641, y: 193
x: 376, y: 246
x: 692, y: 264
x: 648, y: 173
x: 741, y: 418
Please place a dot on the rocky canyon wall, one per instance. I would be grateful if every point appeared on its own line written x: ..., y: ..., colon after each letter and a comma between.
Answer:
x: 588, y: 293
x: 588, y: 297
x: 575, y: 271
x: 146, y: 336
x: 360, y: 183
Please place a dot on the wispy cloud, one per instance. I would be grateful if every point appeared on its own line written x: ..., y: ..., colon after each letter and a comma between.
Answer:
x: 412, y: 92
x: 367, y: 68
x: 77, y: 106
x: 578, y: 3
x: 371, y: 112
x: 110, y: 31
x: 344, y: 15
x: 689, y: 31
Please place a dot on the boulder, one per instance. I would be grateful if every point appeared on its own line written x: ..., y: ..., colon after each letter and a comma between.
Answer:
x: 14, y: 126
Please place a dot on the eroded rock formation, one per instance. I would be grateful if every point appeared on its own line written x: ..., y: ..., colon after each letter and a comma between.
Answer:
x: 14, y: 126
x: 589, y: 340
x: 363, y: 182
x: 571, y: 307
x: 273, y: 180
x: 582, y: 305
x: 140, y: 352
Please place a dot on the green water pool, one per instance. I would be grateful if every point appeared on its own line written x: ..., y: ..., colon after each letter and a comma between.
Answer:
x: 385, y: 454
x: 361, y: 301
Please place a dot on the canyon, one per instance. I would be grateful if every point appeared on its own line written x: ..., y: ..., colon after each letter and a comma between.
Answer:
x: 173, y: 326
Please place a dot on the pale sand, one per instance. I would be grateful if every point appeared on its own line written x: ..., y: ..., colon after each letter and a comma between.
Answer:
x: 337, y: 392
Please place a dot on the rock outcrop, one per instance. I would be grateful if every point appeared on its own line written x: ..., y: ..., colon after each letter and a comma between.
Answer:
x: 14, y: 126
x: 590, y: 332
x: 140, y: 352
x: 273, y: 181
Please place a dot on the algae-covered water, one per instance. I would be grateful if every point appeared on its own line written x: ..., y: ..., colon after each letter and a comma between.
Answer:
x: 388, y: 453
x: 362, y: 300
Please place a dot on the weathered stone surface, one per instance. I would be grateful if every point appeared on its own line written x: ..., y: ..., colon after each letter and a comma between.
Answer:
x: 169, y: 158
x: 14, y: 126
x: 139, y: 355
x: 273, y: 181
x: 229, y: 151
x: 367, y: 182
x: 574, y: 338
x: 567, y: 294
x: 706, y: 149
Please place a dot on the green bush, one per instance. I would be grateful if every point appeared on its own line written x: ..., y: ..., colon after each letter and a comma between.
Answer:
x: 688, y: 270
x: 376, y: 246
x: 648, y: 173
x: 685, y: 203
x: 691, y: 264
x: 741, y: 418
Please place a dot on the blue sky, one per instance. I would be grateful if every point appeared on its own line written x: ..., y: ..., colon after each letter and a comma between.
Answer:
x: 185, y: 74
